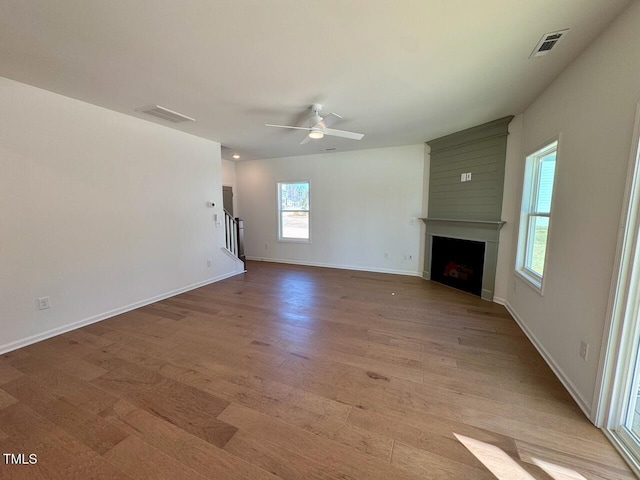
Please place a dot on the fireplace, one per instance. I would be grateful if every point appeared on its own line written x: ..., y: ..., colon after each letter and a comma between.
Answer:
x: 466, y: 182
x: 458, y: 263
x: 465, y: 243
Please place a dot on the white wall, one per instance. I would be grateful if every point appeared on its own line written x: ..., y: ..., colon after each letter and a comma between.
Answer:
x: 592, y: 105
x: 229, y: 180
x: 99, y: 211
x: 362, y: 205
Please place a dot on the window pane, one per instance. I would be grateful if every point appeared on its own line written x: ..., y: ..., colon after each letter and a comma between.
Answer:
x: 535, y: 214
x: 545, y: 183
x: 295, y: 225
x: 538, y: 228
x: 294, y: 196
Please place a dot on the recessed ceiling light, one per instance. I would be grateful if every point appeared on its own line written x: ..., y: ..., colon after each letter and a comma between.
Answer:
x: 236, y: 156
x: 316, y: 134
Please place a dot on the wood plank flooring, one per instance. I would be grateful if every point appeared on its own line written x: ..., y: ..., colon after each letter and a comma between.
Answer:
x: 289, y: 372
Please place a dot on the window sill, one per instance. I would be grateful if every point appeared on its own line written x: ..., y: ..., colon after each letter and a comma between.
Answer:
x: 534, y: 283
x: 294, y: 240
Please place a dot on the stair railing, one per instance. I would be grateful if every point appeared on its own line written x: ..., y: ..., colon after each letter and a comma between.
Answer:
x: 234, y: 234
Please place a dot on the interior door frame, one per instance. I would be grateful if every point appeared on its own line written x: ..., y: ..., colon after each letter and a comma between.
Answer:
x: 232, y: 211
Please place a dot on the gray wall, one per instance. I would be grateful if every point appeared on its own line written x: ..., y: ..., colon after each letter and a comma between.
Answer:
x: 480, y: 150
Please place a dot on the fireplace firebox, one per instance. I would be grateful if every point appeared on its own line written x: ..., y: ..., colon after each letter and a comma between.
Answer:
x: 458, y: 263
x: 485, y: 233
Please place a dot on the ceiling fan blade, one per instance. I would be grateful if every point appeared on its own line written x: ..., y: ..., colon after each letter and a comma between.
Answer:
x: 343, y: 133
x: 287, y: 126
x: 306, y: 139
x: 327, y: 121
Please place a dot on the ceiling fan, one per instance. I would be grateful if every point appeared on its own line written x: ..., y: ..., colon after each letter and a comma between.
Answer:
x: 320, y: 126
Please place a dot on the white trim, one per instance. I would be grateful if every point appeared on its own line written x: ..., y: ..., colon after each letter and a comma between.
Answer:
x: 341, y: 267
x: 279, y: 237
x: 500, y: 301
x: 293, y: 240
x: 623, y: 450
x: 8, y: 347
x: 564, y: 379
x: 606, y: 394
x: 530, y: 179
x: 532, y: 282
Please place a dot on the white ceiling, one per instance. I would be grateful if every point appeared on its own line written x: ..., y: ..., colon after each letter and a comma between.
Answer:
x: 401, y: 72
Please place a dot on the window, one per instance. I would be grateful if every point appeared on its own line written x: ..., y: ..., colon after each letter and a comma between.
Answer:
x: 537, y: 193
x: 293, y: 211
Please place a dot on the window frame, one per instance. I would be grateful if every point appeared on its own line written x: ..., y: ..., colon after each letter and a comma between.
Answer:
x: 529, y: 212
x: 279, y: 211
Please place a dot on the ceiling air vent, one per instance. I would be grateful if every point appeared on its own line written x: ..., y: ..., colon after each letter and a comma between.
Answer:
x: 165, y: 114
x: 548, y: 41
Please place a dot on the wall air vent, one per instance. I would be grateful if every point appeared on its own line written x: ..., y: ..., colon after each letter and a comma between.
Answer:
x: 165, y: 114
x: 548, y: 41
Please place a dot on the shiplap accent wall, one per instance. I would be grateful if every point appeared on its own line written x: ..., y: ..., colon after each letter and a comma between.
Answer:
x: 480, y: 150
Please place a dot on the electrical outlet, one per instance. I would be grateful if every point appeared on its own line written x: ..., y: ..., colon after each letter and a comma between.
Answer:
x: 208, y: 262
x: 44, y: 303
x: 386, y: 255
x: 408, y: 256
x: 266, y: 246
x: 584, y: 350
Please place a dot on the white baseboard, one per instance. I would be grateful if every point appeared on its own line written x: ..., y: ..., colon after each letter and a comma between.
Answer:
x: 564, y: 379
x: 8, y: 347
x: 500, y: 301
x: 341, y: 267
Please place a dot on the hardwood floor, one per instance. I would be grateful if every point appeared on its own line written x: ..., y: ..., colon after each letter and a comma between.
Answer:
x: 297, y: 372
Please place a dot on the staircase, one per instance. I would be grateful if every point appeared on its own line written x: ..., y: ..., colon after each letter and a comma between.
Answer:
x: 234, y: 234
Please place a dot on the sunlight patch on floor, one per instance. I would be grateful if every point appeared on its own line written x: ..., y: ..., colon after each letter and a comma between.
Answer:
x: 557, y: 472
x: 495, y: 459
x: 504, y: 467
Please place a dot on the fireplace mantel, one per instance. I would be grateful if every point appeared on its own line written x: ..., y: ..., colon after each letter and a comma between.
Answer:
x: 478, y: 230
x: 486, y: 231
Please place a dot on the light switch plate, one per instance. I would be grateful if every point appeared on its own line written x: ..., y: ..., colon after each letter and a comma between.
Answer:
x: 468, y: 176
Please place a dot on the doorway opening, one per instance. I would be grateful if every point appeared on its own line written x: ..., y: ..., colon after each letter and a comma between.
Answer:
x: 227, y: 199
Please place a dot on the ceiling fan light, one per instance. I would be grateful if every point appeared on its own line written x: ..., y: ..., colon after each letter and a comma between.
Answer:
x: 316, y: 134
